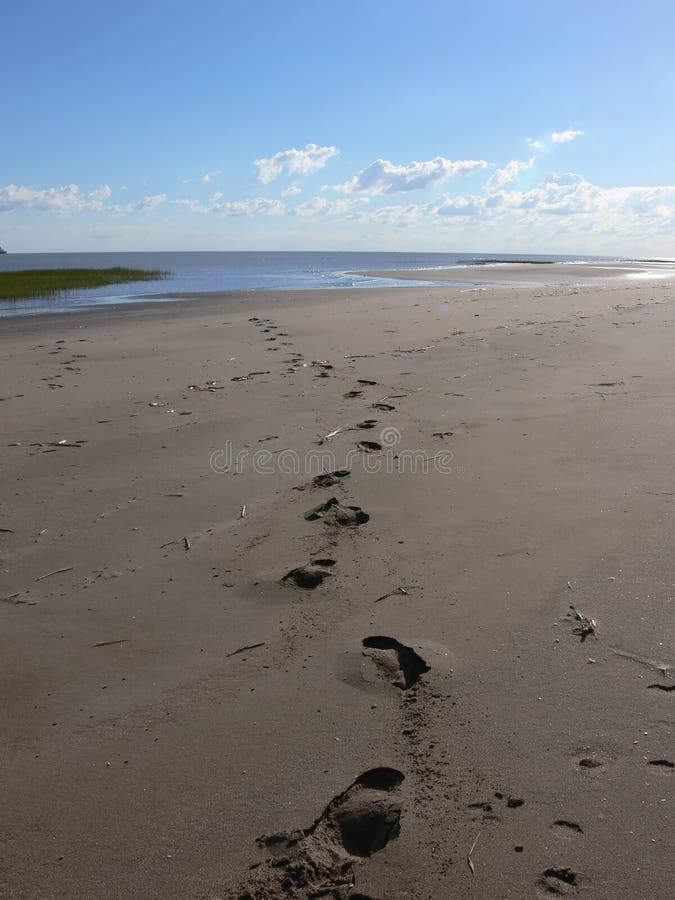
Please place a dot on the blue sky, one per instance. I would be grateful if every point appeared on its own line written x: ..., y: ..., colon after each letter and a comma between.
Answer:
x: 404, y: 126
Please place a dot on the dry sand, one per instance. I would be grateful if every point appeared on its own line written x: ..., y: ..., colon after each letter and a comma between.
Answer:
x: 386, y: 732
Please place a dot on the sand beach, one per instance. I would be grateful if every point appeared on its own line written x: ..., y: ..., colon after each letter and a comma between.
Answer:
x: 445, y: 671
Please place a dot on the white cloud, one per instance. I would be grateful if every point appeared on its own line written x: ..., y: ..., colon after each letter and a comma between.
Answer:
x: 291, y: 191
x: 384, y: 177
x: 318, y: 207
x: 562, y: 137
x: 509, y: 173
x: 296, y: 162
x: 65, y: 199
x: 555, y: 137
x: 210, y: 175
x: 255, y: 206
x: 146, y: 205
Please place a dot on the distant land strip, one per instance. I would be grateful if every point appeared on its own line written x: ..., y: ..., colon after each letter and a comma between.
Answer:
x: 29, y: 283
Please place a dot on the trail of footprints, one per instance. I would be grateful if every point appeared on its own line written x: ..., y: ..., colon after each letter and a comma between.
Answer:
x: 318, y: 861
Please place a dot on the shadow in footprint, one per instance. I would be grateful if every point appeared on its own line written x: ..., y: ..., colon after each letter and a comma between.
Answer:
x: 399, y: 663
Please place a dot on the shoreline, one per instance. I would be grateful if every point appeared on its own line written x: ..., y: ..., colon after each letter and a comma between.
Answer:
x: 171, y: 694
x: 475, y: 277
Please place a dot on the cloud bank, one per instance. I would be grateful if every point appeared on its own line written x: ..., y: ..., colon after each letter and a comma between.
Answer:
x: 384, y: 177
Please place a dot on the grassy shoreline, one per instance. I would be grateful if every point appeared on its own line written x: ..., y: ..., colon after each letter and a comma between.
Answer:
x: 40, y: 283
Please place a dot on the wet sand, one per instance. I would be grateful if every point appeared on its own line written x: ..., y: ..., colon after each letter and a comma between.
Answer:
x: 421, y: 688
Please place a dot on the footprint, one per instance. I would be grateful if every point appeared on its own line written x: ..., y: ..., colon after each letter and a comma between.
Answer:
x: 398, y: 663
x: 318, y: 860
x: 571, y: 826
x: 369, y: 446
x: 308, y: 577
x: 385, y: 407
x: 333, y: 512
x: 561, y: 881
x: 326, y: 479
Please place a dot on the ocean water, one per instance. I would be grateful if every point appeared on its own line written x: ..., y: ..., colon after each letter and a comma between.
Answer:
x: 191, y: 272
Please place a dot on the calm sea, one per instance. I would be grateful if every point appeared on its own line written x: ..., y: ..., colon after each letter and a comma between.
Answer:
x: 191, y: 272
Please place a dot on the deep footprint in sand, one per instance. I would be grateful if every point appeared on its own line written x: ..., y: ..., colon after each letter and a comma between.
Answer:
x: 335, y: 513
x: 318, y: 860
x: 397, y: 662
x: 309, y: 577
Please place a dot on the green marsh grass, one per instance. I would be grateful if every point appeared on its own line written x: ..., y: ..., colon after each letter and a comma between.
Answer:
x: 38, y: 283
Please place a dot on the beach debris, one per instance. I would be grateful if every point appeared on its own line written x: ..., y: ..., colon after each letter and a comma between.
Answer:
x: 366, y: 424
x: 321, y: 364
x: 7, y: 531
x: 55, y: 572
x: 210, y: 386
x: 186, y: 542
x: 442, y: 434
x: 250, y: 375
x: 242, y: 511
x: 331, y: 434
x: 351, y: 394
x: 589, y: 762
x: 307, y: 577
x: 110, y: 643
x: 468, y: 856
x: 662, y: 687
x: 394, y: 593
x: 385, y: 407
x: 365, y: 381
x: 155, y: 403
x: 244, y: 649
x: 269, y: 437
x: 665, y: 763
x: 333, y: 512
x: 414, y: 349
x: 65, y: 443
x: 173, y: 495
x: 586, y: 625
x: 369, y: 446
x: 403, y: 666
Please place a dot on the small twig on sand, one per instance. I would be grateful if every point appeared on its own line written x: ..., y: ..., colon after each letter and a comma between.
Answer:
x: 186, y: 541
x: 6, y: 531
x: 331, y: 434
x: 398, y: 590
x: 110, y: 643
x: 55, y: 572
x: 242, y: 511
x: 468, y: 857
x: 244, y: 649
